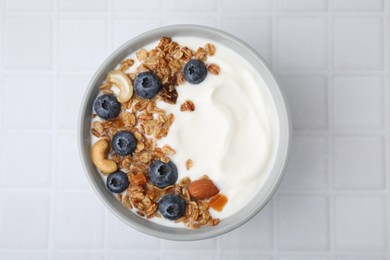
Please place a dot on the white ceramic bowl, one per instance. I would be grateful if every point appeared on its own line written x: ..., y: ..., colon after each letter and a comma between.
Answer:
x: 271, y: 184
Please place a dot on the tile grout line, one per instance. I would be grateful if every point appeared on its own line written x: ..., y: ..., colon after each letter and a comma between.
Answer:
x: 54, y: 136
x: 386, y: 115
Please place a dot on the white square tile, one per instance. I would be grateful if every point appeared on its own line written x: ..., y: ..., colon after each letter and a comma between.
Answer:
x: 127, y: 255
x: 69, y: 171
x: 36, y: 173
x: 360, y: 222
x: 358, y: 103
x: 358, y: 43
x: 121, y: 28
x: 82, y: 6
x: 358, y: 5
x: 365, y: 257
x: 84, y: 48
x: 303, y: 222
x: 256, y: 235
x: 202, y: 6
x: 307, y: 168
x: 196, y: 255
x: 71, y: 90
x: 208, y: 244
x: 37, y: 54
x: 359, y: 162
x: 66, y: 255
x: 139, y: 6
x: 243, y: 255
x: 28, y: 6
x: 260, y: 39
x: 78, y: 221
x: 301, y: 43
x: 246, y: 5
x: 25, y: 220
x: 308, y: 100
x: 23, y: 255
x: 121, y: 236
x: 35, y: 93
x: 192, y: 20
x: 303, y: 5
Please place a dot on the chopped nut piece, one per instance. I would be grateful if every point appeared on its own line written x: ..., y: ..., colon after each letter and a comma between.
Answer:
x: 218, y: 202
x: 189, y: 164
x: 169, y: 95
x: 188, y: 105
x: 214, y: 69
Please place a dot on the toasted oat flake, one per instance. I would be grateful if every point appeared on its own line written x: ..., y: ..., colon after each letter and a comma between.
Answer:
x: 189, y: 164
x: 167, y: 150
x: 125, y: 64
x: 188, y: 105
x: 146, y: 157
x: 142, y: 55
x: 210, y: 49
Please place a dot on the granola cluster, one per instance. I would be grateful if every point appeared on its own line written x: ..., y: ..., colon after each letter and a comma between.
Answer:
x: 149, y: 123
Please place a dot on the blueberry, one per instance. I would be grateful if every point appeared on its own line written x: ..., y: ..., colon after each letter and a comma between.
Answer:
x: 195, y: 71
x: 107, y: 107
x: 162, y: 174
x: 117, y: 182
x: 123, y: 143
x: 147, y: 85
x: 172, y: 206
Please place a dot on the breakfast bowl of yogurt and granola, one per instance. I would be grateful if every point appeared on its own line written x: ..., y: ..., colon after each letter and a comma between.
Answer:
x: 184, y: 133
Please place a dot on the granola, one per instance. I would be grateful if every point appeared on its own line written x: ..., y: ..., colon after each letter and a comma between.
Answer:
x: 148, y: 123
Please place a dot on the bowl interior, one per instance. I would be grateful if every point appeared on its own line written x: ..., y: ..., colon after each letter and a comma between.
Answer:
x: 271, y: 183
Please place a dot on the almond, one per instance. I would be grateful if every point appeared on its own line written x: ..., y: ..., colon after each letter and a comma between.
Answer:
x: 218, y: 202
x: 202, y: 189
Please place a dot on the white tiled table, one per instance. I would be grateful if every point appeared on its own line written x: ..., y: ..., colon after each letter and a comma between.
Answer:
x: 332, y: 57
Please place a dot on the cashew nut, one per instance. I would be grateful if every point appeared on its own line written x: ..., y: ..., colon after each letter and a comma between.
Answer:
x: 123, y: 82
x: 99, y: 153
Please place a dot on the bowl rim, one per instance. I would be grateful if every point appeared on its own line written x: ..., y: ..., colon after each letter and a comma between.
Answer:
x: 283, y: 109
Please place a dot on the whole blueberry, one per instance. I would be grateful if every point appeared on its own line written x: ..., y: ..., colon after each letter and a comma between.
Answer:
x: 195, y: 71
x: 147, y: 85
x: 172, y: 206
x: 107, y: 107
x: 162, y: 174
x: 123, y: 143
x: 117, y: 182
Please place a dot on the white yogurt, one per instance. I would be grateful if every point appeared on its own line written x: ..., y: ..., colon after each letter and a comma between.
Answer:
x: 232, y: 134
